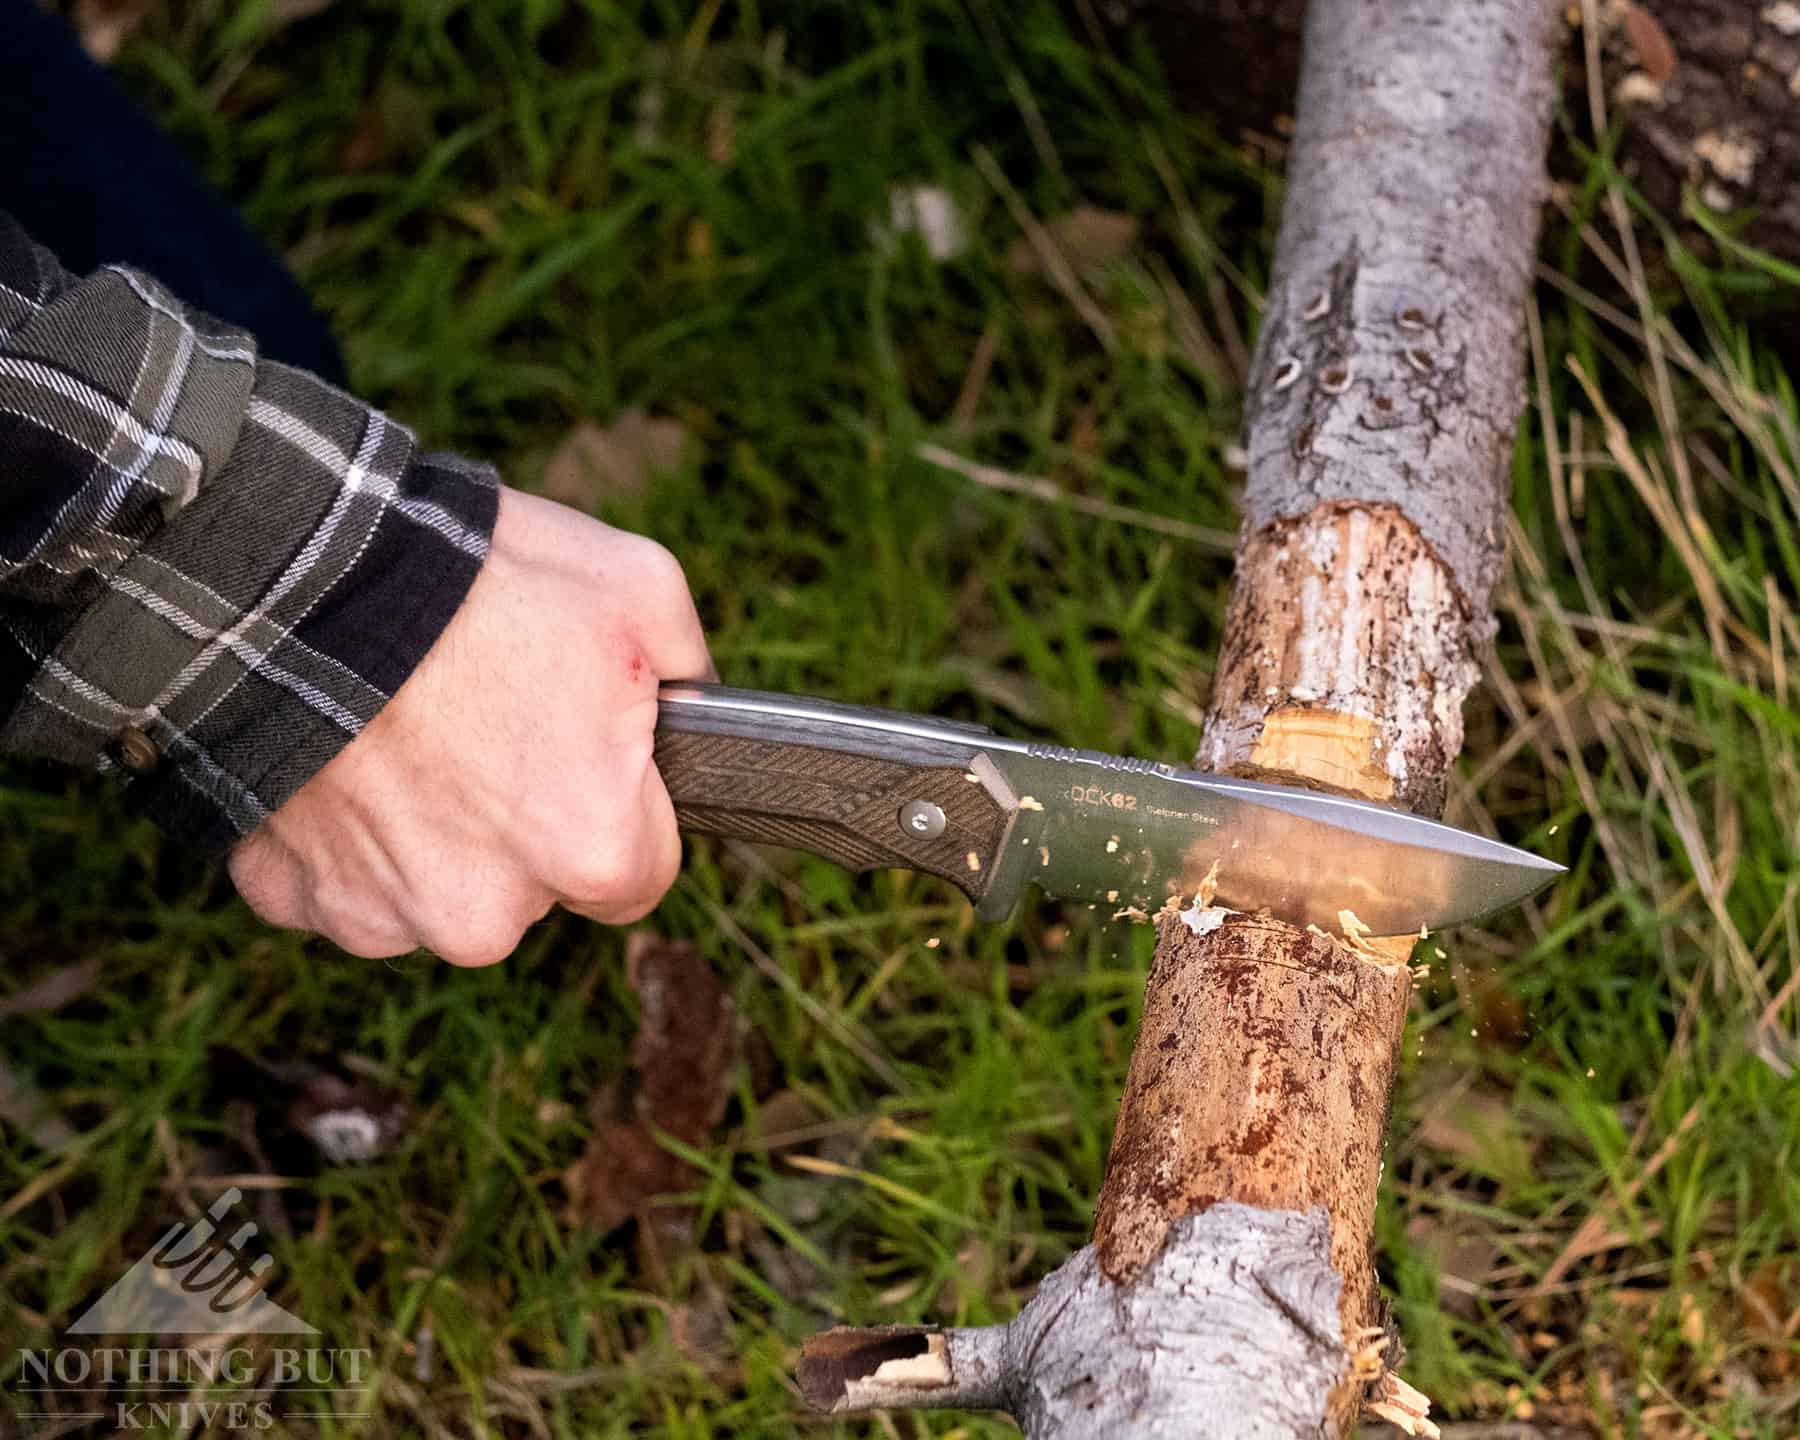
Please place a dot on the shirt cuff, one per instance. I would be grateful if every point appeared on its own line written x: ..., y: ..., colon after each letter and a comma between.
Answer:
x: 256, y: 632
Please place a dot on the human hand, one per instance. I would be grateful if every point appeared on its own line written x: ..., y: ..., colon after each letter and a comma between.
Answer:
x: 512, y: 771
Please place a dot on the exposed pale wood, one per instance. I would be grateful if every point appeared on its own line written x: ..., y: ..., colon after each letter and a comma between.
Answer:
x: 1348, y: 650
x: 1261, y: 1074
x: 887, y: 1367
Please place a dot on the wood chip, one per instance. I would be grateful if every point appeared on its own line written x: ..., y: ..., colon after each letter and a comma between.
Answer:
x: 1403, y: 1407
x: 1209, y: 887
x: 1356, y: 937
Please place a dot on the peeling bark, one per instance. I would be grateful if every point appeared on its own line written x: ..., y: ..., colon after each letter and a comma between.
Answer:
x: 1230, y: 1289
x: 1348, y: 650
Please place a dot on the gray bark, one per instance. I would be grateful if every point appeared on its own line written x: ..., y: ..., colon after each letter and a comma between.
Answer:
x: 1232, y: 1329
x: 1390, y: 368
x: 1707, y: 90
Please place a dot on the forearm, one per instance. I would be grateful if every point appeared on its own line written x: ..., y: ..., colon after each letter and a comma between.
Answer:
x: 214, y: 570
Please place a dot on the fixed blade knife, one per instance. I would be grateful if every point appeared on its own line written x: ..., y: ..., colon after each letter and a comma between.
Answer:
x: 868, y: 789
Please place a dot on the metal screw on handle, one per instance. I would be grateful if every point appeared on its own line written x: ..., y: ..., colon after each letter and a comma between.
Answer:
x: 922, y: 818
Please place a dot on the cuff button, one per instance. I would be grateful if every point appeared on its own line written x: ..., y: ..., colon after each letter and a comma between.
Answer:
x: 136, y: 751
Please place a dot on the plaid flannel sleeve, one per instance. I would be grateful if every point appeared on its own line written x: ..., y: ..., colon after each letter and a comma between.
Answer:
x: 214, y: 570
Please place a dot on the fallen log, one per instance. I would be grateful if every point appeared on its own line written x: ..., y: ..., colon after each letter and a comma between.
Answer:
x: 1229, y: 1289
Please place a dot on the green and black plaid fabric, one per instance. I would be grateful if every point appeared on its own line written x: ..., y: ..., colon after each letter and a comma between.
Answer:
x: 214, y: 570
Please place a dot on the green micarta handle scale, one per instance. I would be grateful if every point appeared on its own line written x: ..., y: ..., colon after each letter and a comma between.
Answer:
x: 860, y: 796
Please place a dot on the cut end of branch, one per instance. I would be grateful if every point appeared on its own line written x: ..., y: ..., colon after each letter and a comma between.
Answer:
x: 841, y: 1367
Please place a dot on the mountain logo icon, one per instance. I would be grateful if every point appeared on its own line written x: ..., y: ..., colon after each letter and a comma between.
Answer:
x: 196, y: 1281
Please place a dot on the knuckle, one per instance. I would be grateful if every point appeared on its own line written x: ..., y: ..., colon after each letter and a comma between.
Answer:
x: 369, y: 944
x: 473, y: 953
x: 665, y: 866
x: 632, y: 913
x: 638, y: 859
x: 482, y: 933
x: 367, y: 930
x: 257, y: 879
x: 660, y: 569
x: 598, y: 875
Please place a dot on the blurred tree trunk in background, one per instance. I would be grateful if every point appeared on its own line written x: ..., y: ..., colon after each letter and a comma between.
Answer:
x: 1707, y: 91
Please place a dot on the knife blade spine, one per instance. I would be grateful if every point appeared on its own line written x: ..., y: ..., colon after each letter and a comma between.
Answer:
x: 1124, y: 764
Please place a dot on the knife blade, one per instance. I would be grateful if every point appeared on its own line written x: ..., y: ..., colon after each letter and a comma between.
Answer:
x: 870, y: 788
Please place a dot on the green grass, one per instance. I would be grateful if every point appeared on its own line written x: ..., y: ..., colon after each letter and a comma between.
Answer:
x: 556, y: 213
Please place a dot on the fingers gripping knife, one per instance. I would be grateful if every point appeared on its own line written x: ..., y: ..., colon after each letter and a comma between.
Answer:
x: 871, y: 789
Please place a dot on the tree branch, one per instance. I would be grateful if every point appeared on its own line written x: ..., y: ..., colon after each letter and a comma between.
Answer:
x: 1230, y: 1287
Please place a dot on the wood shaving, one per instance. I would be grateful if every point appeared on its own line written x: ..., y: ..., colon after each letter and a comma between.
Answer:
x: 974, y: 861
x: 1209, y: 887
x: 1133, y: 914
x: 1403, y: 1407
x: 1202, y: 922
x: 1030, y: 802
x: 933, y: 943
x: 1366, y: 1365
x: 1043, y: 854
x: 1112, y: 845
x: 1356, y: 937
x: 1439, y: 953
x: 1326, y: 936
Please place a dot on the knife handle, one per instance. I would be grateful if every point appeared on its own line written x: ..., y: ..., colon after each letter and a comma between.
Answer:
x: 834, y: 783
